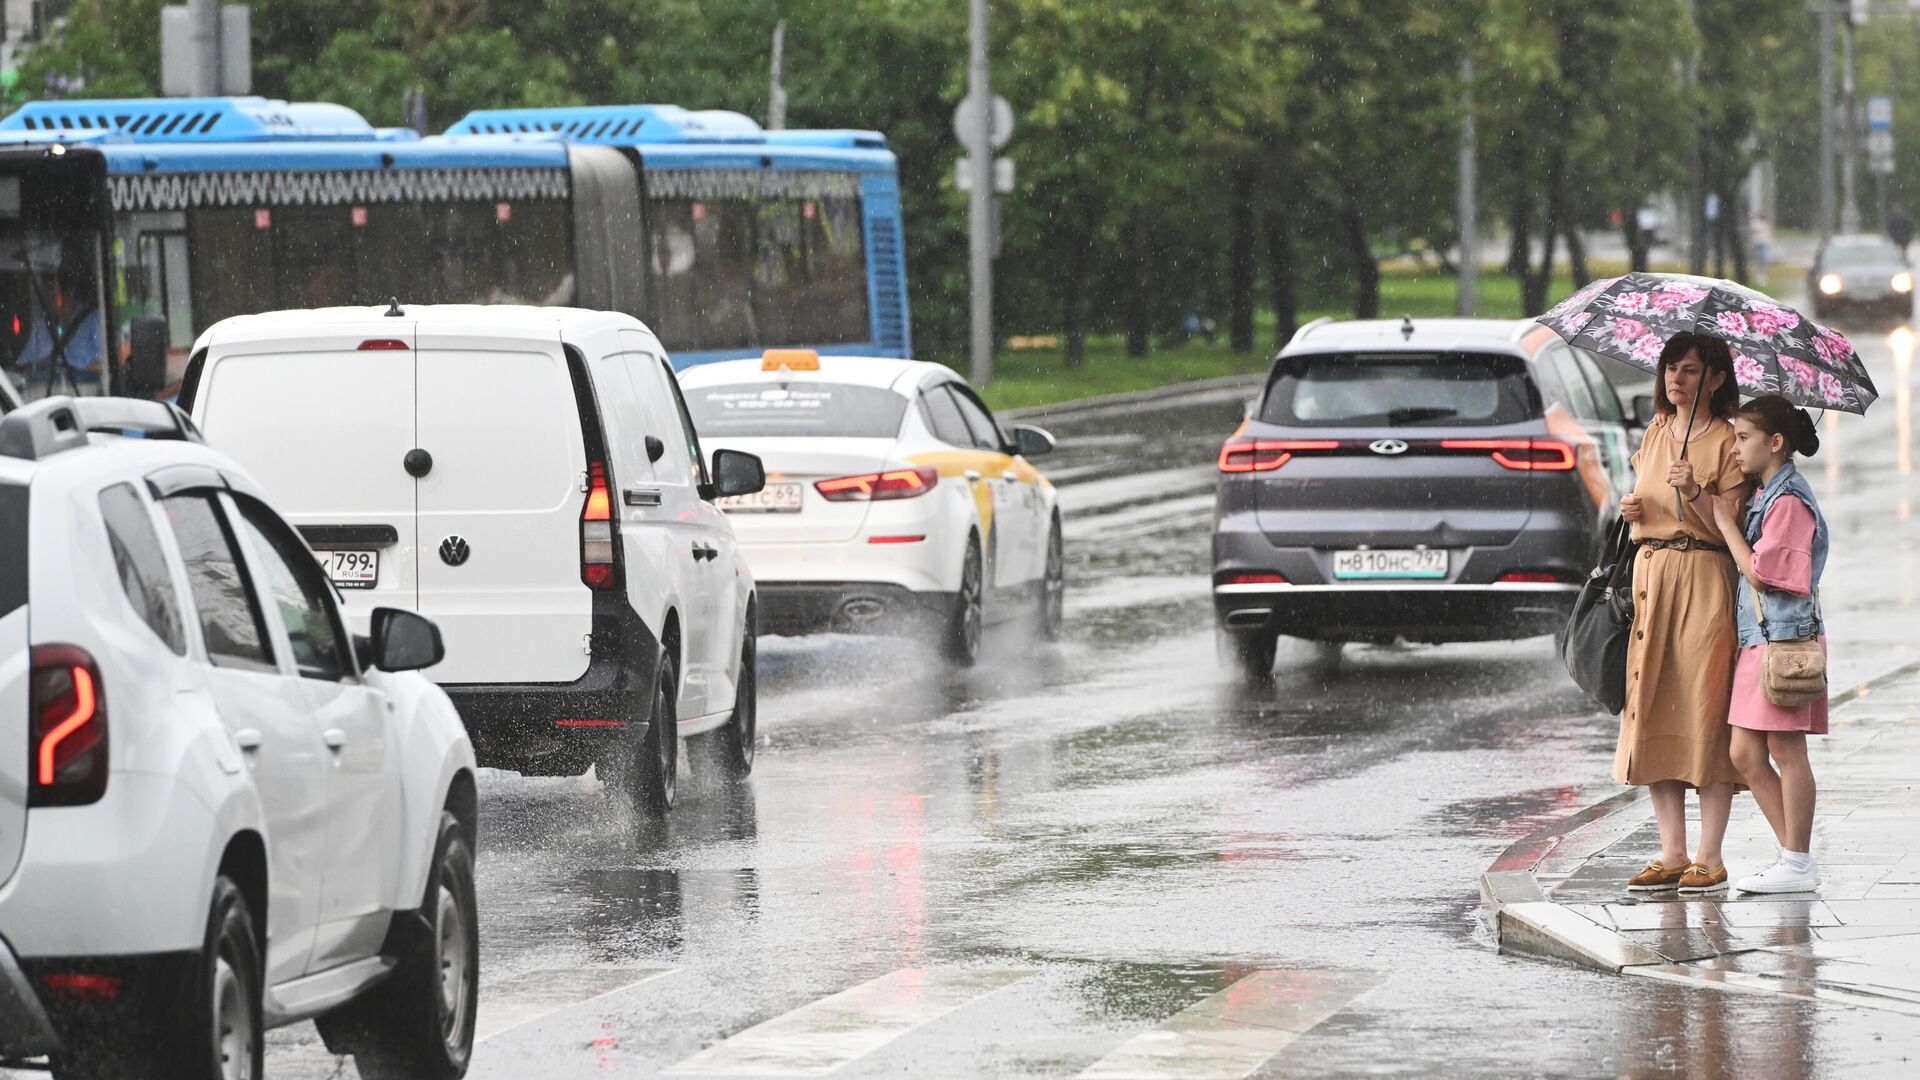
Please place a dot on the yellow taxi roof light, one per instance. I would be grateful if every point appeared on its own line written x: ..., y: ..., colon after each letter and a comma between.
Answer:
x: 790, y: 359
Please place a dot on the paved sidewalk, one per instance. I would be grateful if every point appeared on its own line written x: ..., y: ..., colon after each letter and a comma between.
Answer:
x: 1560, y: 893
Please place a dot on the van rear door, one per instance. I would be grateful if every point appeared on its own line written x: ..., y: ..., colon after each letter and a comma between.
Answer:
x: 499, y: 512
x: 324, y: 421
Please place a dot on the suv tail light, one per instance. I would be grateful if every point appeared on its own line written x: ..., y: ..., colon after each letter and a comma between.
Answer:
x: 598, y: 566
x: 880, y: 486
x: 69, y: 728
x: 1265, y: 455
x: 1251, y: 577
x: 1531, y: 577
x: 1527, y: 455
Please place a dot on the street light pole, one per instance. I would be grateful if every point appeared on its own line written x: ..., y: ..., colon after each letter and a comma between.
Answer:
x: 980, y: 199
x: 1826, y: 121
x: 1469, y: 297
x: 203, y: 25
x: 1850, y: 136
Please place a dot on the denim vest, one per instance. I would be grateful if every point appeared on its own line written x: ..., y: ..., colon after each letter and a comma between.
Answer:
x: 1788, y: 616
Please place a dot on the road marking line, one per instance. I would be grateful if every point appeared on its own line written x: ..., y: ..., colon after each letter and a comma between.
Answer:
x: 535, y: 995
x: 1236, y: 1031
x: 816, y: 1039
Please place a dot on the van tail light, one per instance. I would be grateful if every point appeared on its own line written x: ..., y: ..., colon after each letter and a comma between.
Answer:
x: 1526, y: 455
x: 879, y: 487
x: 384, y: 345
x: 1266, y: 455
x: 599, y: 568
x: 69, y: 728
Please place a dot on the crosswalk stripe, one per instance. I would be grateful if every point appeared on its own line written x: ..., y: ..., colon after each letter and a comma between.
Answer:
x: 816, y: 1039
x: 534, y: 995
x: 1233, y: 1033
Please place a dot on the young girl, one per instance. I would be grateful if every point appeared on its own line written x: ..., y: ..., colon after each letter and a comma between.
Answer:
x: 1780, y: 548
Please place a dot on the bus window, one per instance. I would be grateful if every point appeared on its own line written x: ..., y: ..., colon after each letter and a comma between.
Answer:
x: 153, y: 276
x: 232, y: 249
x: 53, y: 302
x: 736, y: 262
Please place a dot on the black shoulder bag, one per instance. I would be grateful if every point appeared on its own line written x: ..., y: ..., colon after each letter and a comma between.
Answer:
x: 1595, y: 649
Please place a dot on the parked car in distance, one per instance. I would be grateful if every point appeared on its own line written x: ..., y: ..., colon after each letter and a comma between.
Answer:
x: 895, y: 501
x: 1431, y: 480
x: 528, y: 478
x: 220, y: 812
x: 1860, y: 275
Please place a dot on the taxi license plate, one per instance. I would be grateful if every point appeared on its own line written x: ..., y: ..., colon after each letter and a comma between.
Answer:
x: 783, y: 498
x: 351, y: 569
x: 1389, y: 564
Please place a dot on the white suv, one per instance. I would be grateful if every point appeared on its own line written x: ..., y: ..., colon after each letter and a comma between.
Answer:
x: 529, y: 479
x: 219, y: 812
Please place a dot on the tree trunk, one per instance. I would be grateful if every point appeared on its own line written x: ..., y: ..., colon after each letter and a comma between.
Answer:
x: 1737, y: 235
x: 1520, y: 242
x: 1280, y: 276
x: 1577, y: 255
x: 1366, y: 270
x: 1140, y: 288
x: 1240, y: 261
x: 1073, y: 299
x: 1636, y: 238
x: 1533, y: 298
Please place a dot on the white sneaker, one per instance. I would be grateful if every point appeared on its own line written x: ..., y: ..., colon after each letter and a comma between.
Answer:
x: 1781, y: 878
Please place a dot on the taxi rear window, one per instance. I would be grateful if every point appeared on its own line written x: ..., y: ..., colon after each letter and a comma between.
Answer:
x: 765, y: 409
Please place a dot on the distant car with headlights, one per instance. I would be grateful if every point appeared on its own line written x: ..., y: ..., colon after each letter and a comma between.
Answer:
x: 1860, y: 275
x: 1437, y: 480
x: 894, y: 501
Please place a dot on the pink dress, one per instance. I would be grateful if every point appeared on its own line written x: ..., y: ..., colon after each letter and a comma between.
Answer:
x: 1783, y: 560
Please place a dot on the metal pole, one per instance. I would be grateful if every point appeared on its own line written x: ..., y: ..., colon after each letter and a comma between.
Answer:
x: 1469, y: 296
x: 1696, y: 169
x: 1850, y: 136
x: 980, y: 200
x: 777, y: 93
x: 203, y: 16
x: 1826, y: 121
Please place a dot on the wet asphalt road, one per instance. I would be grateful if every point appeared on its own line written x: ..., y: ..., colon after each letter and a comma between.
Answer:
x: 1023, y: 869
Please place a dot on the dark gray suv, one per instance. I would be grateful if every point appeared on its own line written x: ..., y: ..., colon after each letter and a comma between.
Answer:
x: 1435, y: 481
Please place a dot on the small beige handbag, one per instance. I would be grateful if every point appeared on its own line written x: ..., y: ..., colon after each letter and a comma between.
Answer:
x: 1793, y: 673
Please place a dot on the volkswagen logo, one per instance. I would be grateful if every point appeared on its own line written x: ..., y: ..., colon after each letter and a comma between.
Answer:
x: 454, y: 550
x: 1388, y: 447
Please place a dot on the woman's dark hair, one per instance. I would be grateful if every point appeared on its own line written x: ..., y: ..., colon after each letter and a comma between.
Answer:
x: 1775, y: 415
x: 1715, y: 355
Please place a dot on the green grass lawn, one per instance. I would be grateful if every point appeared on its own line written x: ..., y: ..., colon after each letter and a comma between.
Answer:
x: 1027, y: 377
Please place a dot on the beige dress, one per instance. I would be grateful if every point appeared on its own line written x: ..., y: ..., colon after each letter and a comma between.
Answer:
x: 1681, y: 657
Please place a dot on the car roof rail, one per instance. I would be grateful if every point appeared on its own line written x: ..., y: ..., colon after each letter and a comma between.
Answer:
x: 54, y: 424
x: 1301, y: 334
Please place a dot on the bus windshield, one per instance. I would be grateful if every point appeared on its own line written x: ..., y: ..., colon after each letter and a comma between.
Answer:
x: 55, y: 323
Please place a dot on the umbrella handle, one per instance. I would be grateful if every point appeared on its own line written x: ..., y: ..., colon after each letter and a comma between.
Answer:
x: 1693, y: 408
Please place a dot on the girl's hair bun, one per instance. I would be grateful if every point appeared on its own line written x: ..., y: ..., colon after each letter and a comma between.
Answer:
x: 1776, y: 415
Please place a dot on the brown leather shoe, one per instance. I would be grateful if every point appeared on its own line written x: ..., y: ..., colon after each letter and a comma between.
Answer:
x: 1655, y: 878
x: 1699, y: 879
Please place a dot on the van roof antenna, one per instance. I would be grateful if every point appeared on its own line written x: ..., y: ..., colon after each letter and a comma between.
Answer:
x: 393, y: 308
x: 1406, y: 327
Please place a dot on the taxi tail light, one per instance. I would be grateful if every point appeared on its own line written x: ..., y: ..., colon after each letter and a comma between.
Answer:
x: 1525, y: 455
x: 1266, y: 455
x: 599, y: 567
x: 880, y: 486
x: 69, y: 738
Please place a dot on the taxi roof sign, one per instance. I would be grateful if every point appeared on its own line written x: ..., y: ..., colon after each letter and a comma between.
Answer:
x: 790, y: 359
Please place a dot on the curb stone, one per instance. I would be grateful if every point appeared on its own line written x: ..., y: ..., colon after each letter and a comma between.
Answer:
x: 1527, y: 921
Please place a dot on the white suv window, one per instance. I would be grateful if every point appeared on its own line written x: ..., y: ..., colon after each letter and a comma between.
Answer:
x: 142, y: 565
x: 293, y: 580
x: 229, y: 613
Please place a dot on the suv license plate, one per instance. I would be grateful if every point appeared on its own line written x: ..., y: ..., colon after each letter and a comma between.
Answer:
x: 351, y: 569
x: 1389, y: 564
x: 782, y: 498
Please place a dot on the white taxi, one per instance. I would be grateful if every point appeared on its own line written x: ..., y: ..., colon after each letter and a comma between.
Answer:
x: 894, y: 500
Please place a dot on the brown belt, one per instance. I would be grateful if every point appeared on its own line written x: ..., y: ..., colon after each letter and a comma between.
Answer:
x: 1682, y: 543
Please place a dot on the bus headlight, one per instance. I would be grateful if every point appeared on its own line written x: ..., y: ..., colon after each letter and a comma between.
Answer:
x: 1830, y: 283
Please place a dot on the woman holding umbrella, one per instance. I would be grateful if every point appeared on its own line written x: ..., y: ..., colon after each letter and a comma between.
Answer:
x: 1707, y: 341
x: 1680, y: 660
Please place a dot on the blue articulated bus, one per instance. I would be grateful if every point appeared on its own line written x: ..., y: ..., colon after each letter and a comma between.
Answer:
x: 129, y: 226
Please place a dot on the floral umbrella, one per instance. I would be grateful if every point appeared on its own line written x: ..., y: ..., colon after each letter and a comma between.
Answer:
x: 1776, y: 350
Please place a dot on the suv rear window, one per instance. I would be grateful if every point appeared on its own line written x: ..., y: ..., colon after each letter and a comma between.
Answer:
x: 1400, y: 390
x: 836, y: 410
x: 13, y: 547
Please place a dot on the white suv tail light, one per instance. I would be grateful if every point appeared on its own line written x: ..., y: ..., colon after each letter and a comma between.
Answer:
x: 69, y: 728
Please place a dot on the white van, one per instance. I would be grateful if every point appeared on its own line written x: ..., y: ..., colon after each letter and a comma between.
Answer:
x: 529, y: 479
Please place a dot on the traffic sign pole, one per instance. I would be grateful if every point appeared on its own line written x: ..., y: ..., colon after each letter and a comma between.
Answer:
x: 980, y: 199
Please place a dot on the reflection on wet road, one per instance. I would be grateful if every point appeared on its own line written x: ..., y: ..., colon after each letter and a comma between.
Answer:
x: 1105, y: 858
